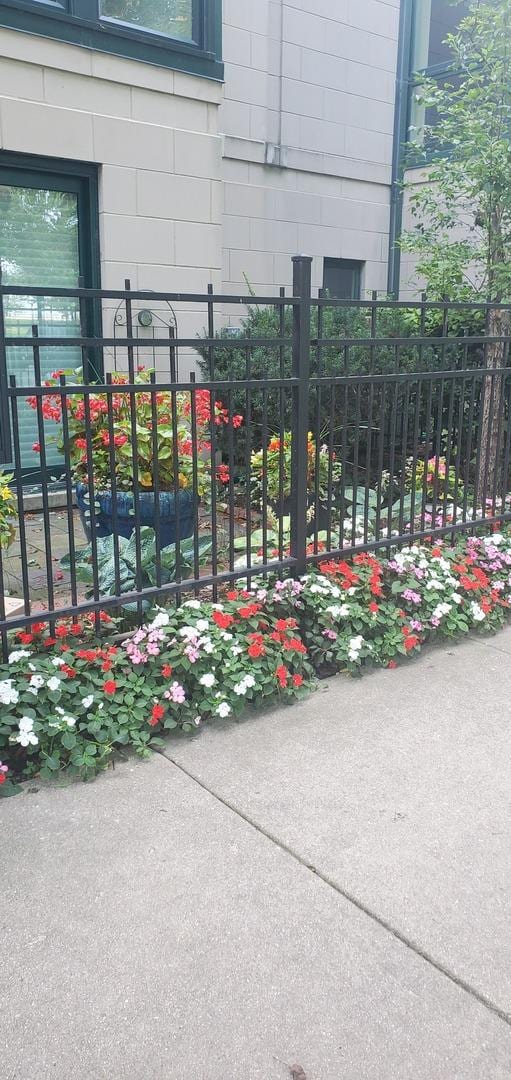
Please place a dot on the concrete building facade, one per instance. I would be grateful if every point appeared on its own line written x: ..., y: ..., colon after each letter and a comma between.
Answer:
x: 307, y: 121
x: 181, y: 168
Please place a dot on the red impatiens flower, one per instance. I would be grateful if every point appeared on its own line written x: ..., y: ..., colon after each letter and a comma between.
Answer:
x: 36, y: 447
x: 24, y: 638
x: 106, y: 665
x: 392, y: 664
x: 104, y: 616
x: 373, y: 607
x: 90, y: 655
x: 69, y: 671
x: 157, y: 714
x: 166, y: 671
x: 256, y: 649
x: 223, y: 474
x: 295, y: 645
x: 38, y: 627
x: 232, y: 594
x: 297, y: 680
x: 281, y: 674
x: 285, y: 624
x: 61, y: 631
x: 411, y: 641
x: 249, y: 610
x: 110, y: 686
x: 223, y: 619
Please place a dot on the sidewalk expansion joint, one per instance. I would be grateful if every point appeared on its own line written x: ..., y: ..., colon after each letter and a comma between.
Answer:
x: 357, y: 903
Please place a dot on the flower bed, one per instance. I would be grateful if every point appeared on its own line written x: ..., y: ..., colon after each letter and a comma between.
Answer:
x: 70, y: 701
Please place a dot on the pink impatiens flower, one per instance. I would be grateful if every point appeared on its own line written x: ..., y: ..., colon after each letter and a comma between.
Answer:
x: 175, y: 693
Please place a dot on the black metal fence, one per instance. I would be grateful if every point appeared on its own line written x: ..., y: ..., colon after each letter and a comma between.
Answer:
x: 320, y: 427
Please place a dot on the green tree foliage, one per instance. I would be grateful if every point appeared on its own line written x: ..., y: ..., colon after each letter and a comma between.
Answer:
x: 462, y: 216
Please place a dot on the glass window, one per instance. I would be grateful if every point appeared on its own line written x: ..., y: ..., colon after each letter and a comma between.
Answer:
x: 38, y: 246
x: 171, y: 17
x: 433, y: 20
x: 341, y: 278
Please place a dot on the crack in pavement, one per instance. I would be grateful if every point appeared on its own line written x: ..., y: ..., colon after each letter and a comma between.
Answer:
x: 355, y: 901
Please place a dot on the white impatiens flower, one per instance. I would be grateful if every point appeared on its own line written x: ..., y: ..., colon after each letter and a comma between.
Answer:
x: 161, y: 619
x: 18, y: 654
x: 26, y: 736
x: 354, y: 647
x: 53, y: 683
x: 236, y: 649
x: 8, y: 694
x: 240, y: 689
x: 441, y: 610
x: 477, y: 612
x: 456, y: 598
x: 87, y: 701
x: 202, y: 625
x: 249, y: 680
x: 192, y: 603
x: 208, y: 679
x: 223, y: 709
x: 69, y: 720
x: 207, y: 645
x: 35, y: 684
x: 58, y: 661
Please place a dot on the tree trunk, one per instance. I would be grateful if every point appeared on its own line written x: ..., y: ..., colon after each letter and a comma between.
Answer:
x: 489, y: 479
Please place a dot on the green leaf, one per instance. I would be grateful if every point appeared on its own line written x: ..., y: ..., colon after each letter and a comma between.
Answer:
x: 68, y: 740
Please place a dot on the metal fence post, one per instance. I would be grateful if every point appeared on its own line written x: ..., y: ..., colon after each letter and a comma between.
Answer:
x: 300, y: 418
x: 5, y: 420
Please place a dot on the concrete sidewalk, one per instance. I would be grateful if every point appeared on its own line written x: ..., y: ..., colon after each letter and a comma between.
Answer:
x: 326, y: 884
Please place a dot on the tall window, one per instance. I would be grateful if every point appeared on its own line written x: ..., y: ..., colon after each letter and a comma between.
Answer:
x: 432, y: 21
x: 45, y: 240
x: 342, y: 278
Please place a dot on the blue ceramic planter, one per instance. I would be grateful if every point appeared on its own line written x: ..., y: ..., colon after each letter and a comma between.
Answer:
x: 125, y: 523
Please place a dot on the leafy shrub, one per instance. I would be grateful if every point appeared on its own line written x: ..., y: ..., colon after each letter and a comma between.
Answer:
x: 69, y: 704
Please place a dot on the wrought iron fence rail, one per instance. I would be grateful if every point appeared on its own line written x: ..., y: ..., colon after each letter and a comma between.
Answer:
x: 129, y: 294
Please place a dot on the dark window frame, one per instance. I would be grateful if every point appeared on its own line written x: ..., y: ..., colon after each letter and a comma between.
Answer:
x: 79, y: 22
x: 355, y: 265
x: 80, y: 178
